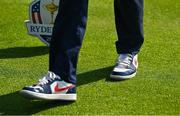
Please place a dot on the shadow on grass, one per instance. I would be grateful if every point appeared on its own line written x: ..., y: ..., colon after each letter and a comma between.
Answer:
x: 22, y: 52
x: 13, y: 103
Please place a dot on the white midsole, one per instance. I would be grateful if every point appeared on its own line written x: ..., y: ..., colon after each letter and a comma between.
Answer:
x: 34, y: 95
x: 118, y: 77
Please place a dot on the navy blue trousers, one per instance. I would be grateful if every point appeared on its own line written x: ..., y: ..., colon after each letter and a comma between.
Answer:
x: 70, y: 26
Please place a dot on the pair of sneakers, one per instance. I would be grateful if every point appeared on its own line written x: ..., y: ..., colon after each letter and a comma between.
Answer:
x: 52, y: 87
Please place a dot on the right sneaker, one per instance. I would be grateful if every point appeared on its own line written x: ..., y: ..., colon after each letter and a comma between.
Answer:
x: 126, y: 67
x: 50, y: 87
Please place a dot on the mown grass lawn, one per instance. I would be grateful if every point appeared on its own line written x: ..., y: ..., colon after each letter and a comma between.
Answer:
x: 155, y: 89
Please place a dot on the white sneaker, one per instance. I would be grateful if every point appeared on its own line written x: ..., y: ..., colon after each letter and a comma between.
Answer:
x: 50, y: 87
x: 126, y: 67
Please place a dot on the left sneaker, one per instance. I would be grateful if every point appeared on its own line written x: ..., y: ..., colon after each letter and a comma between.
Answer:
x: 50, y: 87
x: 126, y: 67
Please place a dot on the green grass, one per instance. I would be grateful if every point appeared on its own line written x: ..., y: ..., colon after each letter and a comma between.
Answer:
x: 155, y: 89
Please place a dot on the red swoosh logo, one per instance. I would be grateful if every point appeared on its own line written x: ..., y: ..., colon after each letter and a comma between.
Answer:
x: 57, y: 89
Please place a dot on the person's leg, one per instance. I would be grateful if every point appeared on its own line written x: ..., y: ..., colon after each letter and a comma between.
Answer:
x: 68, y: 33
x: 129, y: 25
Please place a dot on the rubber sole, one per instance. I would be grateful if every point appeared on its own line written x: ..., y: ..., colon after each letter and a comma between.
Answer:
x: 118, y: 77
x: 41, y: 96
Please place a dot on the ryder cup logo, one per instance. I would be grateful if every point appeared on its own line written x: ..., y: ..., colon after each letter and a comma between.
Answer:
x: 42, y: 15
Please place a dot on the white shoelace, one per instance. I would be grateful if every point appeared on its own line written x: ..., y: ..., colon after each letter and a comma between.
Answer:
x: 124, y: 59
x: 48, y: 78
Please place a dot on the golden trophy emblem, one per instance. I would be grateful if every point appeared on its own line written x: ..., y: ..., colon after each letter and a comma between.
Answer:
x: 42, y: 14
x: 51, y: 8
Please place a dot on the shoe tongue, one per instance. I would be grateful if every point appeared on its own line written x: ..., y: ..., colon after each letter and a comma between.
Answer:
x: 49, y: 77
x: 52, y: 75
x: 123, y: 56
x: 124, y: 59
